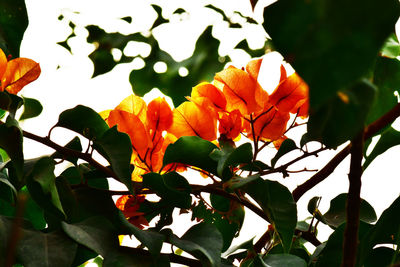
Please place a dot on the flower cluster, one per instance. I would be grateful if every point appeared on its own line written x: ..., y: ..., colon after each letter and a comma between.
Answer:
x: 233, y: 104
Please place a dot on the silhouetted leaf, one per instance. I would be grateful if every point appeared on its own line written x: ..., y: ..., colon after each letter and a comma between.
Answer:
x: 286, y: 146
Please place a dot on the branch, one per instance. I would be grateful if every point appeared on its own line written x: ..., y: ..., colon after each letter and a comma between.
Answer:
x: 350, y: 240
x: 70, y: 153
x: 370, y: 131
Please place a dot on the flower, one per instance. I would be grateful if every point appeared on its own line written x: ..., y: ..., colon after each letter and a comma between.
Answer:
x: 17, y: 73
x: 129, y: 205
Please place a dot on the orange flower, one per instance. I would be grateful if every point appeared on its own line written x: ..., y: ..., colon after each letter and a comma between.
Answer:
x: 17, y: 73
x: 230, y: 124
x: 145, y: 126
x: 270, y: 124
x: 194, y: 119
x: 209, y: 91
x: 129, y: 205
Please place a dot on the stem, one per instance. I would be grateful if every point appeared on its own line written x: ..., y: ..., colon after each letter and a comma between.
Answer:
x: 350, y: 240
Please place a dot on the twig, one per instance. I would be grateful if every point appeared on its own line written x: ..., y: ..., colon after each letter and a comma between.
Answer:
x: 350, y: 240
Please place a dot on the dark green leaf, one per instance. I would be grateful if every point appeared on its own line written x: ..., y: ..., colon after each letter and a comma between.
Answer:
x: 83, y: 254
x: 331, y: 254
x: 191, y: 150
x: 10, y: 102
x: 74, y: 144
x: 237, y: 181
x: 312, y: 208
x: 11, y: 142
x: 389, y: 138
x: 203, y: 241
x: 343, y: 117
x: 286, y: 146
x: 42, y: 187
x: 287, y: 260
x: 32, y: 108
x: 171, y: 186
x: 231, y: 158
x: 385, y: 231
x: 256, y: 166
x: 336, y: 215
x: 151, y: 239
x: 125, y: 256
x: 84, y: 121
x: 380, y: 256
x: 277, y: 202
x: 391, y: 48
x: 220, y: 203
x: 95, y: 233
x: 387, y: 79
x: 321, y: 39
x: 46, y: 249
x: 13, y: 23
x: 116, y: 147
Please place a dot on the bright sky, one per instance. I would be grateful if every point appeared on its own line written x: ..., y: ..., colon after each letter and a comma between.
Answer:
x: 63, y: 88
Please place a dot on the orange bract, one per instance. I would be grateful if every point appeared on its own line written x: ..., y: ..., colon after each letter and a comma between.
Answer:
x: 17, y: 73
x: 210, y: 92
x: 159, y: 114
x: 129, y: 205
x: 271, y: 123
x: 193, y: 119
x: 231, y: 124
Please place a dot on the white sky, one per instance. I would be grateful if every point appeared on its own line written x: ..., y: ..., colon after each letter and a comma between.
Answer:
x: 60, y: 89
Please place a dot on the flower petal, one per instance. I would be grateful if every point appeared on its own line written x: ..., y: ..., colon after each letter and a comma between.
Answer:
x: 271, y: 124
x: 19, y: 72
x: 135, y: 105
x: 191, y: 119
x: 159, y: 114
x: 211, y: 92
x: 3, y: 63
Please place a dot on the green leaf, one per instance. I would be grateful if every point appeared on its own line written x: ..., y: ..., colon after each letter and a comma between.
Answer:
x: 287, y: 260
x: 46, y: 249
x: 237, y: 181
x: 11, y: 142
x: 116, y: 147
x: 125, y: 256
x: 42, y: 187
x: 13, y: 23
x: 231, y: 157
x: 391, y: 48
x: 83, y: 254
x: 343, y: 117
x: 321, y: 40
x: 10, y: 102
x: 386, y: 76
x: 385, y: 231
x: 277, y: 202
x: 286, y: 146
x: 389, y: 138
x: 151, y: 239
x: 96, y: 233
x: 171, y: 187
x: 331, y: 254
x: 84, y: 121
x: 220, y: 203
x: 336, y: 215
x: 193, y: 151
x: 32, y: 108
x: 380, y: 256
x: 74, y: 144
x: 203, y: 241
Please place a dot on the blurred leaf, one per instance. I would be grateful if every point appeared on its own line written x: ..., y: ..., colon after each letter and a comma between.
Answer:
x: 389, y: 138
x: 336, y: 215
x: 84, y: 121
x: 171, y: 187
x: 343, y: 117
x: 386, y: 76
x: 286, y: 146
x: 277, y: 202
x: 202, y: 66
x: 13, y: 23
x: 237, y: 181
x: 116, y: 147
x: 203, y: 241
x: 127, y: 19
x: 32, y: 108
x: 83, y: 254
x: 224, y: 16
x: 220, y: 203
x: 127, y: 257
x: 391, y: 48
x: 331, y: 254
x: 160, y: 19
x: 256, y: 166
x: 95, y: 233
x: 385, y: 231
x: 321, y: 40
x: 193, y: 151
x: 10, y: 102
x: 42, y: 187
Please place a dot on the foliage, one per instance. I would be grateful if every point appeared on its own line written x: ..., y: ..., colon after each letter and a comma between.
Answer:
x: 343, y: 91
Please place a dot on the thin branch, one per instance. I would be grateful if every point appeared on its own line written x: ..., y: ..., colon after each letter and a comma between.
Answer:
x: 70, y: 153
x: 350, y: 240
